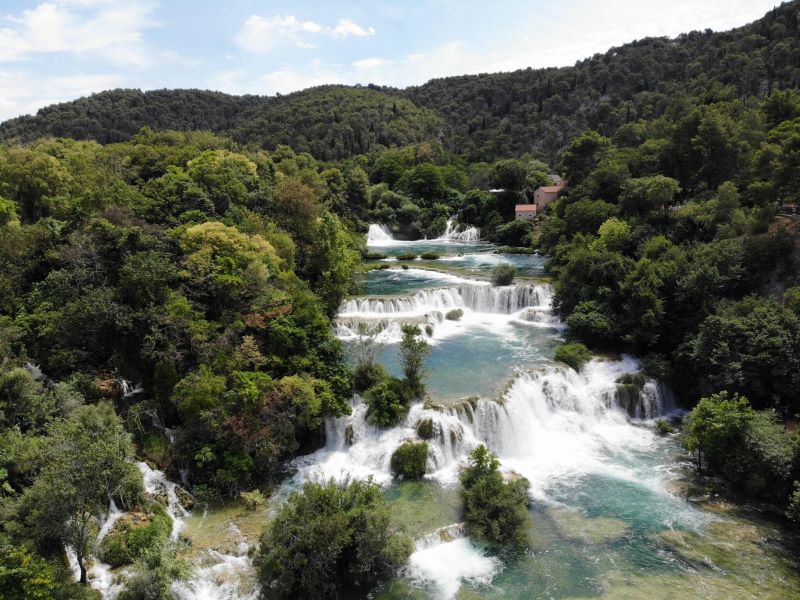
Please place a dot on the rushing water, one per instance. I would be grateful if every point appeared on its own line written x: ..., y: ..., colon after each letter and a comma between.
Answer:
x: 606, y: 518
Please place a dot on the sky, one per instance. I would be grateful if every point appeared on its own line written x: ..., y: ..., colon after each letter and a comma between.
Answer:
x: 60, y: 50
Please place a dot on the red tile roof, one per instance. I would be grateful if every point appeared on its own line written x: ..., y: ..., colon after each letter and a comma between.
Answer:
x: 525, y: 207
x: 551, y: 188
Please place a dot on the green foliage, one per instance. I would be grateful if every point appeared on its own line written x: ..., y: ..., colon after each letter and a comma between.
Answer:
x: 253, y: 499
x: 494, y: 510
x: 503, y: 274
x: 329, y: 538
x: 716, y: 426
x: 88, y: 458
x: 128, y: 542
x: 410, y: 460
x: 406, y: 256
x: 25, y: 575
x: 152, y: 576
x: 574, y: 354
x: 751, y: 449
x: 664, y: 427
x: 429, y: 256
x: 413, y: 352
x: 454, y: 315
x: 388, y: 402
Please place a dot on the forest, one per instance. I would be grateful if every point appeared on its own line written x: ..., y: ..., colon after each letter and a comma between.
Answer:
x: 480, y: 117
x: 171, y: 262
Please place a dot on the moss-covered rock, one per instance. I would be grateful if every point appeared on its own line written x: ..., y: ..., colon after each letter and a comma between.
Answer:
x: 425, y: 428
x: 410, y: 460
x: 454, y: 315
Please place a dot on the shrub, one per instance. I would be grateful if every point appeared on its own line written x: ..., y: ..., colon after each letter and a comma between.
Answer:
x: 404, y: 267
x: 454, y: 315
x: 410, y: 460
x: 374, y: 256
x: 503, y: 274
x: 128, y: 542
x: 406, y: 256
x: 663, y: 427
x: 383, y: 267
x: 253, y: 499
x: 493, y: 508
x: 367, y: 375
x: 329, y: 537
x: 429, y: 256
x: 388, y: 402
x: 576, y: 355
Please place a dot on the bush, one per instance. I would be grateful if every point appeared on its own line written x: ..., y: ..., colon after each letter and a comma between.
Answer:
x: 128, y: 542
x: 503, y: 274
x: 406, y: 256
x: 374, y: 256
x: 329, y: 537
x: 388, y: 402
x: 663, y: 427
x: 429, y: 256
x: 253, y: 500
x: 367, y: 375
x: 493, y: 509
x: 410, y: 460
x: 454, y: 315
x: 576, y: 355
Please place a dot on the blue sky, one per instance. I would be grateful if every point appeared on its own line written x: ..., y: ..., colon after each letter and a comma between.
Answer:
x: 62, y: 49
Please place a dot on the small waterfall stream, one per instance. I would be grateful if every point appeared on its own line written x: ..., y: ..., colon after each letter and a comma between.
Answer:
x: 378, y: 233
x: 452, y: 233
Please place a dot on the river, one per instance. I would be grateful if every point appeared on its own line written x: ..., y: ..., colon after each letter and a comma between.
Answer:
x: 612, y: 511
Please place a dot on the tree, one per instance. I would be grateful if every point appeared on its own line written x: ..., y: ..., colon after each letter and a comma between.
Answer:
x: 493, y: 509
x: 716, y: 426
x: 88, y: 461
x: 576, y: 355
x: 328, y: 538
x: 413, y: 352
x: 333, y: 263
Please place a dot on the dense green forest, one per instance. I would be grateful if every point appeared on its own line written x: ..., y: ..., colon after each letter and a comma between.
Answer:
x: 206, y: 265
x: 481, y: 117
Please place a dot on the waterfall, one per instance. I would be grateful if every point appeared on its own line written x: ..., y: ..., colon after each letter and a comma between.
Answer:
x: 99, y: 573
x: 378, y: 233
x: 479, y: 298
x: 550, y: 424
x: 156, y: 483
x: 482, y: 305
x: 452, y: 233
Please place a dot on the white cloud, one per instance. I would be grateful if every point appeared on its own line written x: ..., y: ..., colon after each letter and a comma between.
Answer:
x: 260, y: 35
x: 347, y: 27
x: 22, y: 94
x: 108, y: 31
x: 366, y: 64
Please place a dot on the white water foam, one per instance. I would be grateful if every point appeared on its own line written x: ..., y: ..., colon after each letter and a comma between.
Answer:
x: 446, y: 565
x: 377, y: 234
x: 453, y: 233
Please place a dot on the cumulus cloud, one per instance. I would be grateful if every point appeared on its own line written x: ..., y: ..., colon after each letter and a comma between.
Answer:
x: 347, y: 27
x: 106, y: 31
x: 260, y: 34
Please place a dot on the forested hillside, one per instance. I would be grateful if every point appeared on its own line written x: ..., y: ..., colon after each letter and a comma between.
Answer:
x: 480, y: 117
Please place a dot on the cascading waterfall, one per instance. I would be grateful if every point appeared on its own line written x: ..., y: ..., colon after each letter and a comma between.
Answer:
x: 549, y: 424
x: 452, y: 233
x: 157, y: 484
x: 378, y: 233
x: 525, y: 303
x: 98, y: 572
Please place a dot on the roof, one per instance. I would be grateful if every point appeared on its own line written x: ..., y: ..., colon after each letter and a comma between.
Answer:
x: 550, y: 188
x: 525, y: 207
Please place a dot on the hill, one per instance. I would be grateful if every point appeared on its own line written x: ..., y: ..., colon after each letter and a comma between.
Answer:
x: 479, y: 116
